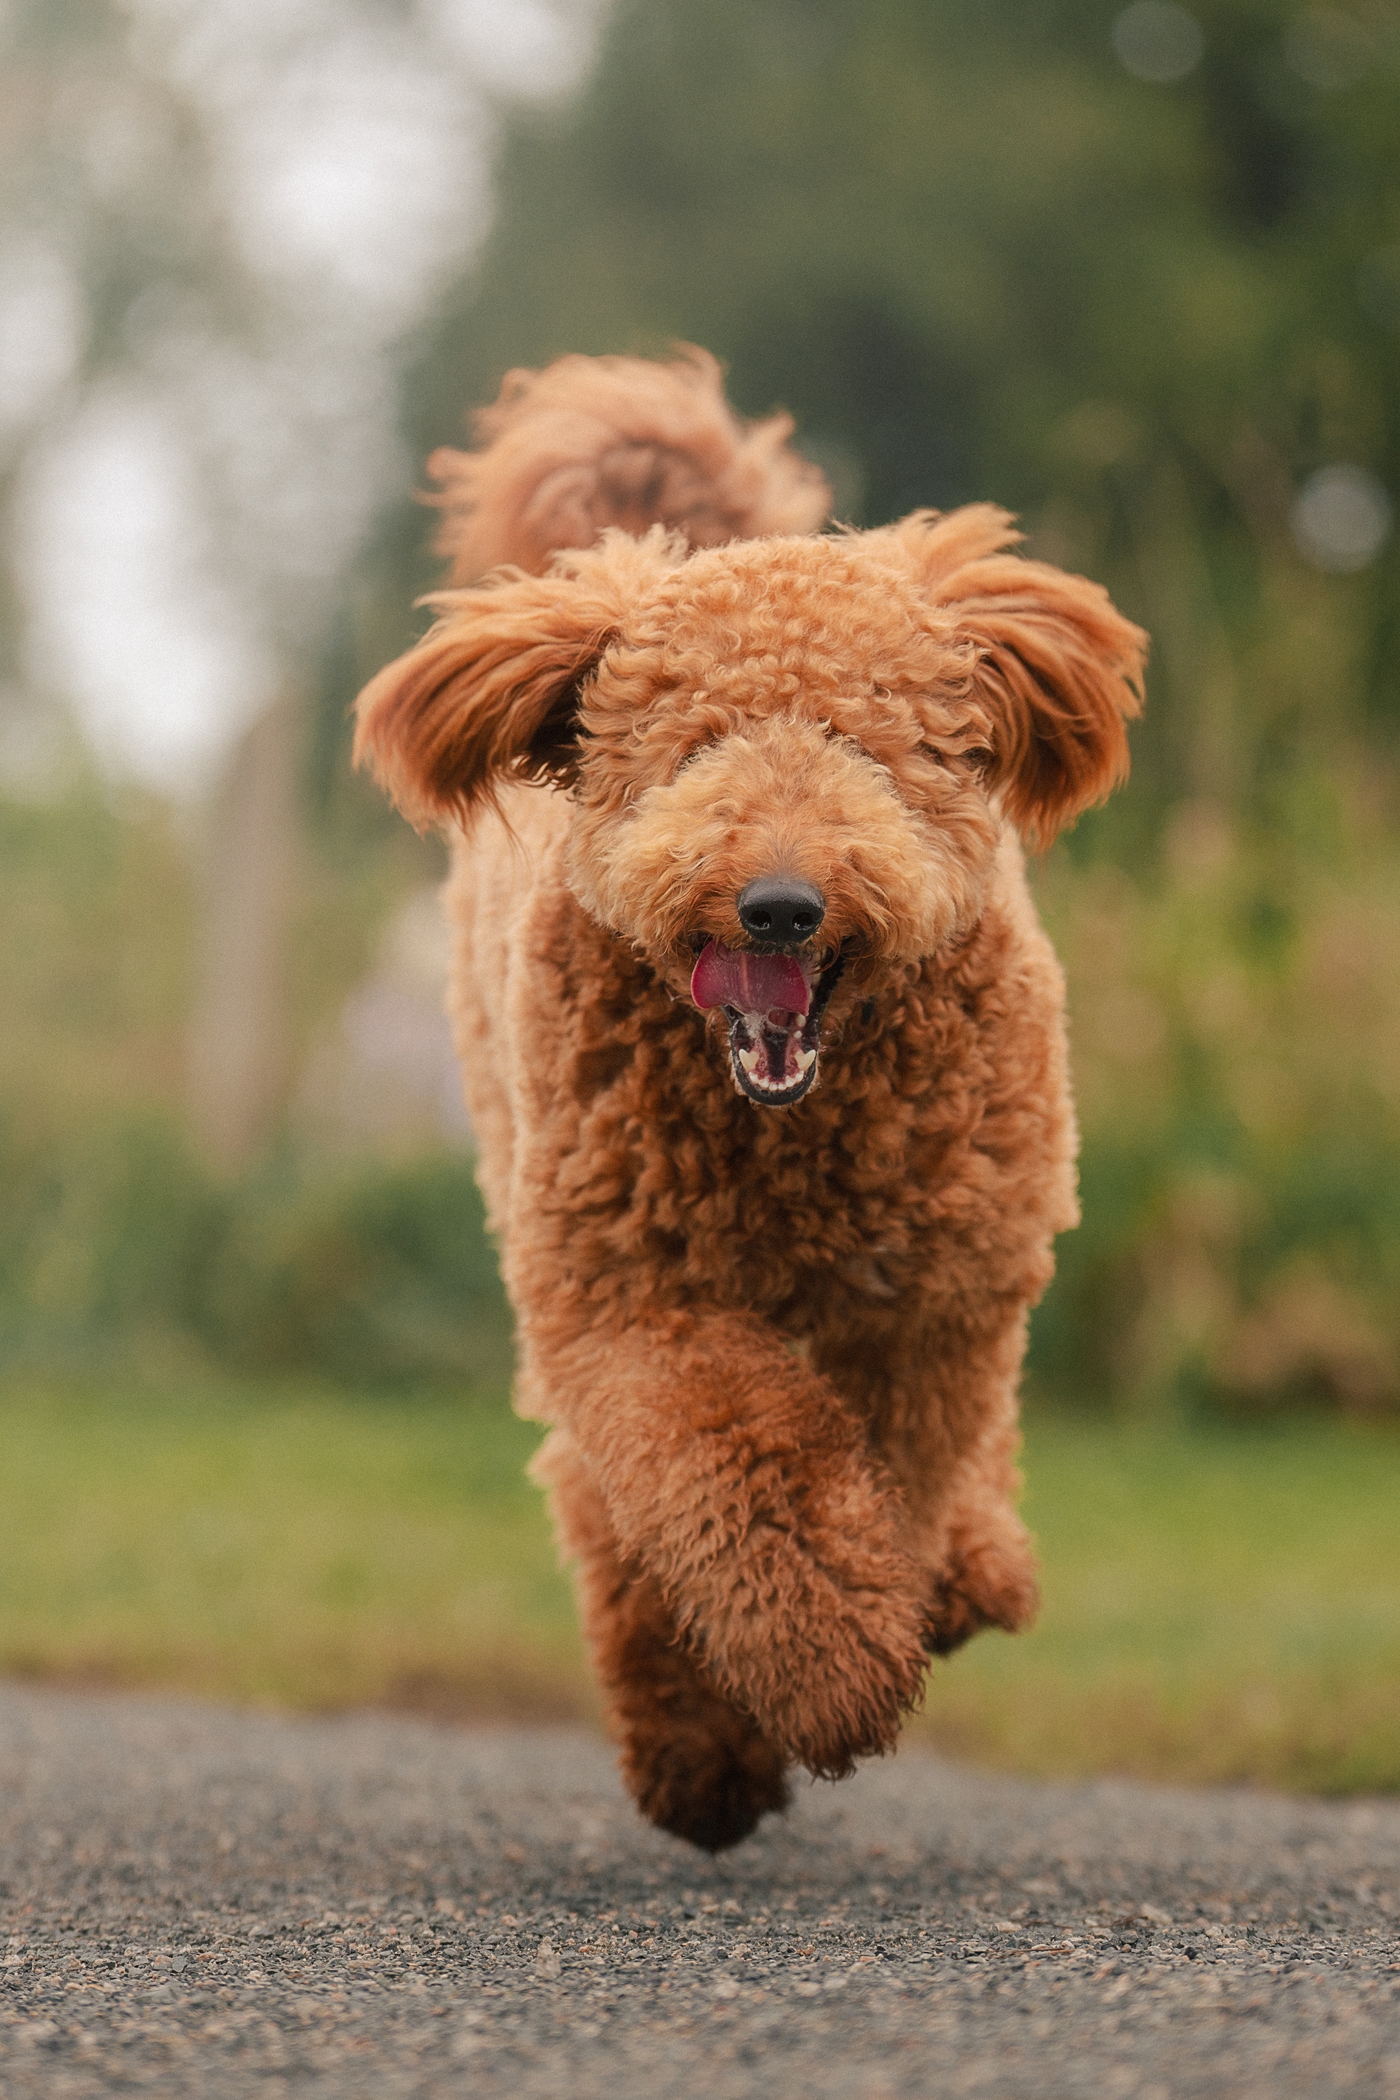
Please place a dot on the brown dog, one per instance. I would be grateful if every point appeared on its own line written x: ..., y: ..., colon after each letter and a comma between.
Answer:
x: 763, y: 1043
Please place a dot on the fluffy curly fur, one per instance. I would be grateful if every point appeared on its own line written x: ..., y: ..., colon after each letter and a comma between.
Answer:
x: 778, y: 1344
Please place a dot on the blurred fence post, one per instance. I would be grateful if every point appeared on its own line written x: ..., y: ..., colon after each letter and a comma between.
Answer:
x: 239, y: 1046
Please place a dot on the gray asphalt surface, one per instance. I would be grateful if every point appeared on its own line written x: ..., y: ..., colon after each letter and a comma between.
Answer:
x: 200, y: 1902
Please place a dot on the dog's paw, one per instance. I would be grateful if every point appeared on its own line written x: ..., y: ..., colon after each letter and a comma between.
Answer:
x: 704, y: 1772
x: 805, y: 1610
x: 691, y: 1762
x: 991, y: 1585
x: 839, y: 1694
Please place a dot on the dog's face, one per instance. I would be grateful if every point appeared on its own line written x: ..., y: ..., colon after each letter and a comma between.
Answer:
x: 791, y: 760
x: 780, y: 784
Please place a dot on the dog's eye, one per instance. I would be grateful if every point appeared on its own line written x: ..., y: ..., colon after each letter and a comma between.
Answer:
x: 975, y: 757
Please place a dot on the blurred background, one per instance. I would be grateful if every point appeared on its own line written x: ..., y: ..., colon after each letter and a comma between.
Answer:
x: 1133, y: 272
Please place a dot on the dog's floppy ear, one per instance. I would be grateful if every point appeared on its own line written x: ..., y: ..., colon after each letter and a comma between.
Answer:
x: 492, y: 690
x: 1057, y: 669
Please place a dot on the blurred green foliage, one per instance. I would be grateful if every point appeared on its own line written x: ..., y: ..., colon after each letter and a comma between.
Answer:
x: 1240, y: 1172
x: 121, y: 1252
x: 119, y: 1245
x: 372, y: 1276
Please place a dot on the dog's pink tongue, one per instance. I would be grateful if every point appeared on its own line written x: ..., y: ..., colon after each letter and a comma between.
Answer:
x: 756, y: 984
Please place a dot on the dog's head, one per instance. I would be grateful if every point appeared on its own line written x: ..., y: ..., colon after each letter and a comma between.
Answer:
x: 790, y: 759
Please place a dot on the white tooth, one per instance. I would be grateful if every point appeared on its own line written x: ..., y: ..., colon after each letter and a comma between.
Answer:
x: 805, y: 1058
x: 749, y: 1060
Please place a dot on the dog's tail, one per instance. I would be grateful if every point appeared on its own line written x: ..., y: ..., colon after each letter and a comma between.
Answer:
x: 596, y: 441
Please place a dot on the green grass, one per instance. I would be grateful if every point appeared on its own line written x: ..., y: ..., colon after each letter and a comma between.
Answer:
x: 295, y: 1546
x: 1219, y: 1603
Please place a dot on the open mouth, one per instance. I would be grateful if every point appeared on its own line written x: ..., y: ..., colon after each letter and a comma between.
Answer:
x: 774, y: 1005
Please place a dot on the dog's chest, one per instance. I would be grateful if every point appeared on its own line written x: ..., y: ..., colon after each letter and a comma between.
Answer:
x: 661, y: 1166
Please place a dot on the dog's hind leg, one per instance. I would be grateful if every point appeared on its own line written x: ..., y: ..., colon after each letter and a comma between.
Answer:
x: 694, y: 1765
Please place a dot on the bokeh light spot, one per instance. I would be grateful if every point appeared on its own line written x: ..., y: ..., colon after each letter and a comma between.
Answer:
x: 1341, y: 519
x: 1327, y: 48
x: 1157, y: 41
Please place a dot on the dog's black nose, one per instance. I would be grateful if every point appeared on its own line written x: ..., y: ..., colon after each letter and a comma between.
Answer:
x: 778, y: 909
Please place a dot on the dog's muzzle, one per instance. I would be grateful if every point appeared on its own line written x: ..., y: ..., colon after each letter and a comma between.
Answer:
x: 774, y: 1005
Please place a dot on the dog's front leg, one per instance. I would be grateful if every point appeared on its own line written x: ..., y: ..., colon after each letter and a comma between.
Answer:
x: 742, y: 1483
x: 940, y: 1399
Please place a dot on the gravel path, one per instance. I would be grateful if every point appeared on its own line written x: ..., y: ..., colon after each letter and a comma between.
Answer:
x: 214, y: 1904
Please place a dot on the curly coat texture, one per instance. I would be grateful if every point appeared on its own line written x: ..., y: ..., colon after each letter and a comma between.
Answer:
x: 778, y: 1345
